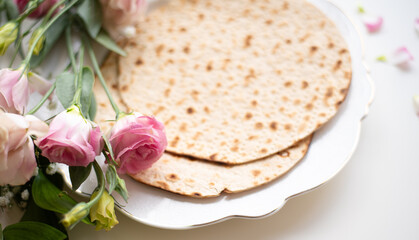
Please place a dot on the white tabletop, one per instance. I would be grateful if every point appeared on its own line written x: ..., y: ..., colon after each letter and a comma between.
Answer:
x: 376, y: 196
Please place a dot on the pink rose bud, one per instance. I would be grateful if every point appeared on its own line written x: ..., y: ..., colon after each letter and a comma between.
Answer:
x: 71, y: 139
x: 40, y: 11
x: 17, y: 157
x: 121, y: 14
x: 14, y: 90
x: 137, y: 141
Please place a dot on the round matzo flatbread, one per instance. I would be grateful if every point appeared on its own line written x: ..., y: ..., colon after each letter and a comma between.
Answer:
x: 191, y: 177
x: 234, y: 81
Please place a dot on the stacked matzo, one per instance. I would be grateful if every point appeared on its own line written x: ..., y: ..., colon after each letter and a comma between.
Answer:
x: 235, y: 82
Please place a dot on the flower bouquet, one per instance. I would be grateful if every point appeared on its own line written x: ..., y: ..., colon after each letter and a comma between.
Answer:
x: 30, y: 148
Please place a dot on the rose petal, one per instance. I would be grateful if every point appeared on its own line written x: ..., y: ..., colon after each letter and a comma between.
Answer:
x: 373, y: 23
x: 402, y: 57
x: 38, y: 83
x: 21, y: 94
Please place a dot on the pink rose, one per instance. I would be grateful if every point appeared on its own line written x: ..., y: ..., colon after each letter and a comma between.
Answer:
x: 14, y: 90
x: 42, y: 9
x: 119, y: 14
x: 137, y: 141
x: 17, y: 157
x: 71, y: 139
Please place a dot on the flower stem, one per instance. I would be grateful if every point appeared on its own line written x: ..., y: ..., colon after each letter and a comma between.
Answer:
x: 101, y: 184
x: 101, y: 79
x: 31, y: 6
x: 18, y: 43
x: 78, y: 78
x: 46, y: 96
x: 52, y: 10
x: 44, y: 29
x: 70, y: 47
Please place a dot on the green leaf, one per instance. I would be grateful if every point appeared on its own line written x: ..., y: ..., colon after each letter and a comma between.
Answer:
x: 32, y: 231
x: 93, y: 108
x: 47, y: 196
x: 65, y: 88
x: 11, y: 9
x: 51, y: 36
x: 1, y: 233
x: 34, y: 213
x: 91, y: 14
x: 111, y: 178
x: 78, y: 175
x: 116, y: 183
x: 122, y: 189
x: 108, y: 147
x: 105, y: 40
x: 88, y: 78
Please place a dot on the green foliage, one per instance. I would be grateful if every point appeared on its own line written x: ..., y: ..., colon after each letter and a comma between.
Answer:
x: 32, y: 231
x: 51, y: 36
x: 116, y: 183
x: 93, y: 108
x: 65, y: 88
x: 49, y: 197
x: 105, y: 40
x: 88, y: 80
x: 78, y: 175
x: 11, y: 9
x: 34, y: 213
x: 90, y: 13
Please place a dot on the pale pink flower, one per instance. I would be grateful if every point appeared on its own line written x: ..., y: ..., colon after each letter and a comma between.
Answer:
x: 14, y: 90
x: 71, y: 139
x: 42, y: 9
x: 120, y: 15
x: 16, y: 86
x: 402, y: 57
x: 137, y: 141
x: 17, y: 157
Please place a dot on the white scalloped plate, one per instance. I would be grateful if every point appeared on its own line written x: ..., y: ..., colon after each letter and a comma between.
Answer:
x: 330, y: 150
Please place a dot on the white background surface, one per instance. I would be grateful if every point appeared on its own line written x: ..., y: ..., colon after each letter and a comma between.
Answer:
x: 376, y: 196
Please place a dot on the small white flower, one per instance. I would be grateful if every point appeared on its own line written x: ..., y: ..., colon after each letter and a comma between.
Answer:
x: 35, y: 172
x: 4, y: 201
x: 52, y: 169
x: 129, y: 31
x: 25, y: 195
x: 9, y: 195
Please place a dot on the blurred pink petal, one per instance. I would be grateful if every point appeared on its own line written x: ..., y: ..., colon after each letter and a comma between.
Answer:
x: 38, y: 83
x: 402, y: 57
x: 372, y: 23
x: 417, y: 25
